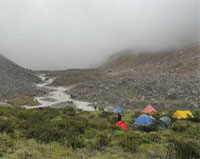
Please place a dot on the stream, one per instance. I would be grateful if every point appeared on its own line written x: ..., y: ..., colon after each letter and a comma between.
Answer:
x: 57, y: 97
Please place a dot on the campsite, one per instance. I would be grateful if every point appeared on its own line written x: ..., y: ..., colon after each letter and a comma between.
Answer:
x: 99, y: 79
x: 70, y: 133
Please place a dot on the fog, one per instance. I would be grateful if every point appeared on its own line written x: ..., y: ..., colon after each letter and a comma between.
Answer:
x: 61, y: 34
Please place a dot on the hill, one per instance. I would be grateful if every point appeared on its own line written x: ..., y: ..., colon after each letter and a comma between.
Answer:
x: 15, y: 80
x: 167, y: 80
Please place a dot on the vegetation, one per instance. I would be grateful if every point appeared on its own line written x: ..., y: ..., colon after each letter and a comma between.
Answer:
x: 21, y: 99
x: 69, y: 133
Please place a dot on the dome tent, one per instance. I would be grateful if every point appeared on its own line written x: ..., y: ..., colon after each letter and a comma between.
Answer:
x: 166, y: 120
x: 143, y: 119
x: 122, y: 125
x: 149, y: 110
x: 182, y: 114
x: 163, y: 122
x: 118, y: 110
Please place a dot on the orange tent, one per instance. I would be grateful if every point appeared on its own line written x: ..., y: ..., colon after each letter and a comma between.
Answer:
x: 149, y: 110
x: 122, y: 125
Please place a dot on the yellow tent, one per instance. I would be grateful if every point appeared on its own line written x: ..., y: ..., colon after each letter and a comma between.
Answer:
x: 182, y: 114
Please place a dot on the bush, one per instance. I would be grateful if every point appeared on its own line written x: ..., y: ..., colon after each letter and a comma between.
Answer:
x: 184, y: 149
x: 101, y: 108
x: 152, y: 137
x: 136, y: 114
x: 7, y: 126
x: 99, y: 141
x: 196, y: 117
x: 99, y: 124
x: 23, y: 115
x: 66, y: 131
x: 105, y: 114
x: 179, y: 128
x: 157, y: 116
x: 70, y: 111
x: 147, y: 129
x: 5, y: 144
x: 74, y: 142
x: 128, y: 141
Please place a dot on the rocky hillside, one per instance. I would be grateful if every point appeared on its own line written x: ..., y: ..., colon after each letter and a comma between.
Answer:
x: 167, y: 80
x: 15, y: 80
x: 177, y: 61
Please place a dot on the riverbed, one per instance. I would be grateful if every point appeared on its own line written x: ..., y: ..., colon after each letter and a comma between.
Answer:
x: 57, y: 96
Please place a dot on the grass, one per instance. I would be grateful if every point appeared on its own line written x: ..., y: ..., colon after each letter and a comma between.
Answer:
x: 68, y: 133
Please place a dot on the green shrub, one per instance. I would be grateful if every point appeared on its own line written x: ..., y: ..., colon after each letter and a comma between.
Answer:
x: 184, y: 149
x: 5, y: 144
x: 128, y: 141
x: 99, y: 124
x: 170, y: 113
x: 67, y: 132
x: 196, y: 117
x: 105, y: 114
x: 147, y: 128
x: 179, y: 127
x: 99, y: 141
x: 23, y: 115
x: 136, y: 114
x: 73, y: 142
x: 70, y: 111
x: 7, y: 126
x: 153, y: 137
x: 101, y: 108
x: 157, y: 116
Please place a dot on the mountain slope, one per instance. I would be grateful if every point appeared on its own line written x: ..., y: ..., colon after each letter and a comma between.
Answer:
x: 15, y: 79
x: 179, y: 61
x: 166, y: 80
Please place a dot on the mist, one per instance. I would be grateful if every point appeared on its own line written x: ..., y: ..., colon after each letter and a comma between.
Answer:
x: 62, y: 34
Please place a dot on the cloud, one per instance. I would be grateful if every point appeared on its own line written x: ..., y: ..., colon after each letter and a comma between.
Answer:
x: 59, y: 34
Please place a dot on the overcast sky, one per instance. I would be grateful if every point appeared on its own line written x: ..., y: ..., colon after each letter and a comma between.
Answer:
x: 60, y: 34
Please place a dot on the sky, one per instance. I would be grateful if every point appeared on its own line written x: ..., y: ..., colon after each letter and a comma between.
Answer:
x: 62, y: 34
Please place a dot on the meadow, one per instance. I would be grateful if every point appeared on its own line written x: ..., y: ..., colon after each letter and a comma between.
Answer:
x: 75, y: 134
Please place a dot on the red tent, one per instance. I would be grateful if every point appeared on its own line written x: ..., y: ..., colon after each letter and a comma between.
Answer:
x: 122, y: 125
x: 149, y: 110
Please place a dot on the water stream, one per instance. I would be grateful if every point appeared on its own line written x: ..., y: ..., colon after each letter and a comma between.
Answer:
x: 57, y: 96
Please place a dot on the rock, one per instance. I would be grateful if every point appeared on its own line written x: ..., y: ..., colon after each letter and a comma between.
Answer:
x: 101, y: 86
x: 171, y: 91
x: 143, y: 98
x: 73, y: 96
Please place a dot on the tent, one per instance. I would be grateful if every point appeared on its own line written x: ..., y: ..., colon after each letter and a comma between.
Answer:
x: 182, y: 114
x: 149, y: 110
x: 143, y: 120
x: 166, y: 120
x: 118, y: 110
x: 163, y: 122
x: 122, y: 125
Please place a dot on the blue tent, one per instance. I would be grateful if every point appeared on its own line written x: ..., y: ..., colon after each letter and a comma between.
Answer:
x: 118, y: 110
x: 143, y: 120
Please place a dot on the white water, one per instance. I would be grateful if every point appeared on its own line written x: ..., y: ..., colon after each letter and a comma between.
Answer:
x: 58, y: 95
